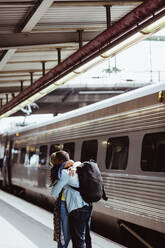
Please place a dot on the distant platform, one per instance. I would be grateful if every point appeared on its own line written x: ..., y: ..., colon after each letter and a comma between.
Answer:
x: 24, y: 225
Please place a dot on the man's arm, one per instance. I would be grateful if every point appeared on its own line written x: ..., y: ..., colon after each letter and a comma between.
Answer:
x: 63, y: 181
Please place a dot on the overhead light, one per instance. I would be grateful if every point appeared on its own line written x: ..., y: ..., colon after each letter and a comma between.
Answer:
x: 65, y: 79
x: 23, y: 104
x: 40, y: 94
x: 48, y: 89
x: 111, y: 52
x: 88, y: 65
x: 123, y: 45
x: 35, y: 97
x: 10, y: 112
x: 132, y: 40
x: 155, y: 26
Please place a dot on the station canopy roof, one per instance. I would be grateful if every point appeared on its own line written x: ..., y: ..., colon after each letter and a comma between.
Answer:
x: 46, y: 43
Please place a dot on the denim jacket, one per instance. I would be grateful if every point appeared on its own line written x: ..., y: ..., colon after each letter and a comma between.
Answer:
x: 73, y: 197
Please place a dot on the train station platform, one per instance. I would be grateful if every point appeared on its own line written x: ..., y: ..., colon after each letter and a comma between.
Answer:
x: 24, y: 225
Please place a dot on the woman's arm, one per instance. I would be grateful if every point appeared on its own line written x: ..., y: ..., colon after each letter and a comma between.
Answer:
x: 63, y: 181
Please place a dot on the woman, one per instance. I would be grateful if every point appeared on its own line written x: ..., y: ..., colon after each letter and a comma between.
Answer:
x: 60, y: 161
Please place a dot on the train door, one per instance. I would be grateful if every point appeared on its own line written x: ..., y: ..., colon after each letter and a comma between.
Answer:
x: 42, y: 166
x: 6, y: 169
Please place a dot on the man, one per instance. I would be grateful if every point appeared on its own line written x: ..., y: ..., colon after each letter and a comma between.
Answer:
x: 79, y: 210
x: 5, y: 169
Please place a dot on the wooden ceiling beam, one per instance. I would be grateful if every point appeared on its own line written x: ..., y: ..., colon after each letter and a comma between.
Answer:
x: 95, y: 3
x: 16, y: 4
x: 31, y: 61
x: 17, y: 75
x: 13, y: 88
x: 21, y: 71
x: 34, y: 16
x: 3, y: 82
x: 5, y: 57
x: 16, y: 40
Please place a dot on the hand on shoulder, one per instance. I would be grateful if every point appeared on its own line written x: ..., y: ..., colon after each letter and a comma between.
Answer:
x: 72, y: 170
x: 69, y: 163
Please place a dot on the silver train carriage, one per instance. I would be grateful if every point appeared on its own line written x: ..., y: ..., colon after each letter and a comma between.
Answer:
x: 125, y: 135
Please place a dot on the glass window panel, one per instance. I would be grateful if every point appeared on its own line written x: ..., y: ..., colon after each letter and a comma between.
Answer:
x: 70, y: 147
x: 108, y: 154
x: 55, y: 148
x: 22, y: 157
x: 89, y: 150
x: 15, y: 152
x: 117, y: 153
x: 32, y: 151
x: 153, y: 150
x: 43, y: 154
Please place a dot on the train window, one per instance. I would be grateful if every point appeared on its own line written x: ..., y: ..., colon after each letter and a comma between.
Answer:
x: 69, y: 147
x: 89, y: 150
x: 32, y: 151
x: 22, y: 157
x: 32, y: 157
x: 43, y: 154
x: 55, y: 148
x: 15, y: 153
x: 117, y: 153
x: 153, y: 150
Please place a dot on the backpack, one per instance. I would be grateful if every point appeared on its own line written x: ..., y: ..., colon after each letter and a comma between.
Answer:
x: 90, y: 182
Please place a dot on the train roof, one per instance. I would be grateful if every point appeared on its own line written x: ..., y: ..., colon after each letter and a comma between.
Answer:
x: 126, y: 97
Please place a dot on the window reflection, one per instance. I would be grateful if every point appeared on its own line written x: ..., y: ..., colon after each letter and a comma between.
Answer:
x: 43, y: 154
x: 70, y: 147
x: 153, y: 150
x: 117, y: 153
x: 55, y: 148
x: 89, y: 150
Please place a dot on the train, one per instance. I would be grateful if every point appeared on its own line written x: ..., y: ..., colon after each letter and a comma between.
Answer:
x: 125, y: 135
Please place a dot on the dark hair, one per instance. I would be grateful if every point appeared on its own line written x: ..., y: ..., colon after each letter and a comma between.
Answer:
x: 62, y: 155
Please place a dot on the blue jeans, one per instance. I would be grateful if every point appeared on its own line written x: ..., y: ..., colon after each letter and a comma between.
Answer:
x: 65, y: 225
x: 79, y: 222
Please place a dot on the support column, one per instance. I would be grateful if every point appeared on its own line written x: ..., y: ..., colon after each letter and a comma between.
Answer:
x: 21, y: 89
x: 80, y: 38
x: 31, y: 78
x: 43, y: 67
x: 59, y: 55
x: 1, y: 102
x: 7, y: 98
x: 108, y: 15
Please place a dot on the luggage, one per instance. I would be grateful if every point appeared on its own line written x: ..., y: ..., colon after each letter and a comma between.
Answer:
x: 90, y: 181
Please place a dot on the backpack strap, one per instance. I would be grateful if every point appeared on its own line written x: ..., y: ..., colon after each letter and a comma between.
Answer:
x: 105, y: 198
x: 75, y: 188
